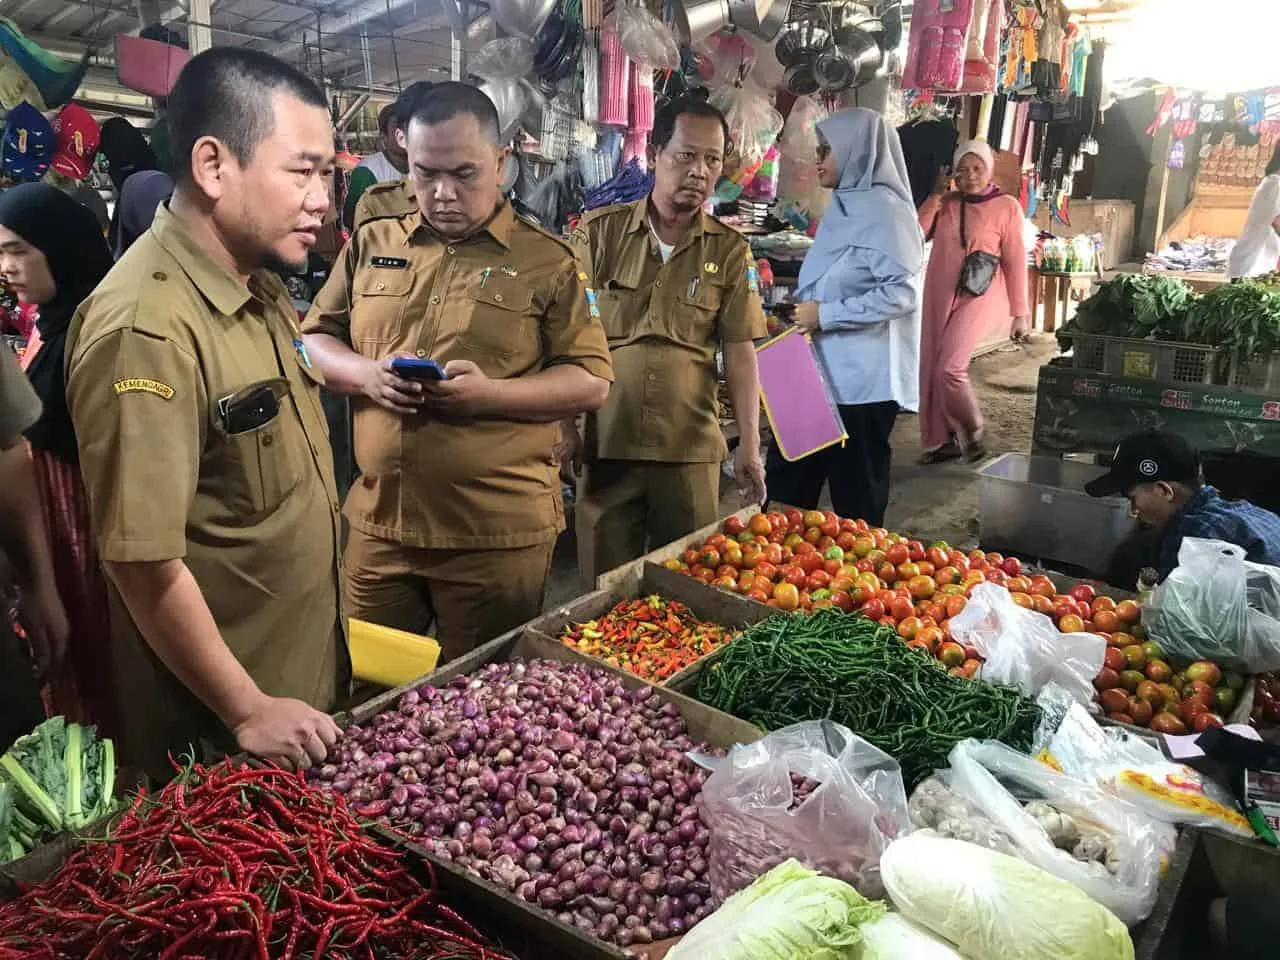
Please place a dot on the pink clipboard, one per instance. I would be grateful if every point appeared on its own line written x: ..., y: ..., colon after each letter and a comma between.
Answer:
x: 795, y: 396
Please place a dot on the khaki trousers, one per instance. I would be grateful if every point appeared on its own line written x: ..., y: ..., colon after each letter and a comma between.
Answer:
x: 626, y: 507
x: 472, y: 596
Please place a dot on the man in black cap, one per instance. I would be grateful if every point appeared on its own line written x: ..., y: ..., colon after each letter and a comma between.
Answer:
x: 1160, y: 474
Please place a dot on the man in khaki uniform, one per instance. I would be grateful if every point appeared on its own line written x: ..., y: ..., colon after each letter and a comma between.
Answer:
x: 673, y: 285
x: 458, y: 506
x: 202, y: 440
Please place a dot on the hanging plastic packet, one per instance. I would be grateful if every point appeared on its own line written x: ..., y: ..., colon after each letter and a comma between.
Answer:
x: 509, y: 58
x: 523, y: 18
x: 647, y: 40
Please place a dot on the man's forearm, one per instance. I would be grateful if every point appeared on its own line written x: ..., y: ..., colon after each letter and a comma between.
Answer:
x: 343, y: 368
x: 171, y: 613
x: 22, y: 533
x: 560, y: 392
x: 743, y: 379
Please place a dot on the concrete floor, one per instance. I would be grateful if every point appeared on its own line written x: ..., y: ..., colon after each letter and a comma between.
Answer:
x: 937, y: 502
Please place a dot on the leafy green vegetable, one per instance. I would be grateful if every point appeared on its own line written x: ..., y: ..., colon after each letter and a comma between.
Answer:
x: 790, y: 913
x: 1242, y: 318
x: 1133, y: 305
x: 58, y: 777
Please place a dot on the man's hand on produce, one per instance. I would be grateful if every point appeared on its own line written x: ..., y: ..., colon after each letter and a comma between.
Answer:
x: 45, y: 622
x: 288, y: 732
x: 466, y: 393
x: 569, y: 453
x: 390, y: 391
x: 748, y: 469
x: 805, y: 316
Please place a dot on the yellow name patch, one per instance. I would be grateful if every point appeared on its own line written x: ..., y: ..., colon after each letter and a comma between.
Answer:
x: 143, y: 385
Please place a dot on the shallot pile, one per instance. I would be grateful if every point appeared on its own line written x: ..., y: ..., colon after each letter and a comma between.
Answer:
x: 551, y: 780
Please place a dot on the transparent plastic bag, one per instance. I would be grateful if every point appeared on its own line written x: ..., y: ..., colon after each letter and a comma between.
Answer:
x: 1219, y: 606
x: 647, y: 40
x: 798, y: 185
x: 522, y: 18
x: 1128, y: 766
x: 1072, y: 828
x: 753, y: 122
x: 511, y: 97
x: 509, y: 58
x: 1023, y: 648
x: 998, y: 907
x: 840, y: 828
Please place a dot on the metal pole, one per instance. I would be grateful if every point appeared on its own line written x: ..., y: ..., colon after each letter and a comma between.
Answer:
x: 458, y: 44
x: 199, y: 21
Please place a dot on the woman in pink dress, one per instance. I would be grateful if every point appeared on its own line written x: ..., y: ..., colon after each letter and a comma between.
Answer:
x: 955, y: 321
x: 53, y: 253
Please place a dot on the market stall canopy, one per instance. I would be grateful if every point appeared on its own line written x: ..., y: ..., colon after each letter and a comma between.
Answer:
x: 376, y: 46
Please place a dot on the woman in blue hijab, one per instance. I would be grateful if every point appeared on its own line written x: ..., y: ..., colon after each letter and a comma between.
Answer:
x: 859, y: 300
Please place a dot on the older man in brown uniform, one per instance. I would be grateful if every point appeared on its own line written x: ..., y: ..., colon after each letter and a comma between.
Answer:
x: 202, y: 439
x: 674, y: 284
x: 458, y: 505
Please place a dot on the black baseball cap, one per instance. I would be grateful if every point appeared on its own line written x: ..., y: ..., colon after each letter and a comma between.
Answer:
x: 1145, y: 458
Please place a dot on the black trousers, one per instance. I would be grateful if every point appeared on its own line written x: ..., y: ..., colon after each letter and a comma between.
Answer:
x: 858, y: 471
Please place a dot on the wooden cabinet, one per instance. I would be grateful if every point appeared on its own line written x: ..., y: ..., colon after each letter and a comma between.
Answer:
x: 1114, y: 219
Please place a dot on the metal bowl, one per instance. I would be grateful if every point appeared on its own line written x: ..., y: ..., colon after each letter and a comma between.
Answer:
x: 799, y: 80
x: 763, y: 24
x: 799, y: 41
x: 698, y: 19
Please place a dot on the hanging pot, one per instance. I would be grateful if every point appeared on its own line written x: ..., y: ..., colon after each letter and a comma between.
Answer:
x: 698, y: 19
x: 764, y: 20
x: 799, y: 42
x: 800, y: 80
x: 861, y: 56
x: 833, y: 71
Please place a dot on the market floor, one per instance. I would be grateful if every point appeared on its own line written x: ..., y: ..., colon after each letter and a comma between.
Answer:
x: 932, y: 503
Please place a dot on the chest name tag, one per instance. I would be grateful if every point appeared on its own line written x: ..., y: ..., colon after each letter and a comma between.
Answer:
x: 390, y: 263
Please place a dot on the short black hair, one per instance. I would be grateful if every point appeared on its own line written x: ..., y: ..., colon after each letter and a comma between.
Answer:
x: 665, y: 117
x: 222, y: 93
x: 444, y: 101
x: 408, y: 97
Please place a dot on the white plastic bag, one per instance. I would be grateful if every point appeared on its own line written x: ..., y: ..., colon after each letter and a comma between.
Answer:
x: 508, y: 58
x: 1024, y: 648
x: 750, y: 806
x: 997, y: 907
x: 1125, y: 880
x: 1218, y: 606
x: 798, y: 167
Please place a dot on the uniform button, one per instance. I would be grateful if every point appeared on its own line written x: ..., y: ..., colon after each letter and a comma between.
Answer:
x: 267, y: 439
x: 158, y: 275
x: 657, y: 283
x: 450, y: 250
x: 379, y: 285
x: 653, y: 376
x: 435, y: 299
x: 420, y: 353
x: 497, y: 298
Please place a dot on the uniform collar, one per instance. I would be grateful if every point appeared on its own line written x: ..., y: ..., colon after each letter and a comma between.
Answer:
x: 701, y: 223
x: 216, y: 283
x: 499, y: 227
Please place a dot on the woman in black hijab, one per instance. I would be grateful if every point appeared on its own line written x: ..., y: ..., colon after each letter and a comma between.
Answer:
x: 53, y: 254
x: 127, y: 153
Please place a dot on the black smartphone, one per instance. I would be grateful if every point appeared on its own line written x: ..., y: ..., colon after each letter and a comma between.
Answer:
x: 249, y: 411
x: 417, y: 368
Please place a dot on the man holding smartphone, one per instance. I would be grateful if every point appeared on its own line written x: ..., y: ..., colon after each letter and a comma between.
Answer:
x: 457, y: 508
x: 202, y: 439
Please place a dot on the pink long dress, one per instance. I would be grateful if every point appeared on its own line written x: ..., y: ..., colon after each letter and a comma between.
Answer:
x: 954, y: 324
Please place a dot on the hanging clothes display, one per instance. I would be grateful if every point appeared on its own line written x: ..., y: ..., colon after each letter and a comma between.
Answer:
x: 937, y: 44
x: 927, y: 146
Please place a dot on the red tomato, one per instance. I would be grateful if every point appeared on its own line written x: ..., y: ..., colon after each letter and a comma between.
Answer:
x: 733, y: 526
x: 846, y: 540
x: 810, y: 562
x: 909, y: 627
x: 818, y: 580
x: 901, y: 608
x: 1012, y: 566
x: 795, y: 576
x: 897, y: 554
x: 841, y: 600
x: 1083, y: 593
x: 872, y: 610
x: 795, y: 518
x: 786, y: 596
x: 915, y: 551
x: 832, y: 567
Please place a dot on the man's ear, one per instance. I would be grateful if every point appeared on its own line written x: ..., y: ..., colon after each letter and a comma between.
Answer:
x: 1166, y: 490
x: 209, y: 160
x: 651, y: 154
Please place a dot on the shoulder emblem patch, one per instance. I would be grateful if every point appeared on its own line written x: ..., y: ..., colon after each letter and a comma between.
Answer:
x: 143, y: 385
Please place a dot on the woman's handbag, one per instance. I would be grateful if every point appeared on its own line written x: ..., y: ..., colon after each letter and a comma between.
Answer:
x: 979, y: 267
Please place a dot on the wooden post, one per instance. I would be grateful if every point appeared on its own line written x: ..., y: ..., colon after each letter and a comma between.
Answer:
x: 1164, y: 195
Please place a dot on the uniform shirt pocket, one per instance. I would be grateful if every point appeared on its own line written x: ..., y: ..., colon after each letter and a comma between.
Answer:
x: 378, y: 302
x: 255, y: 470
x: 501, y: 324
x: 694, y: 321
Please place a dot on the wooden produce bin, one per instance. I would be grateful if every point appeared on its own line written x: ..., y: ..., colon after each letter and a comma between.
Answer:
x: 705, y: 601
x: 526, y: 643
x: 622, y: 577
